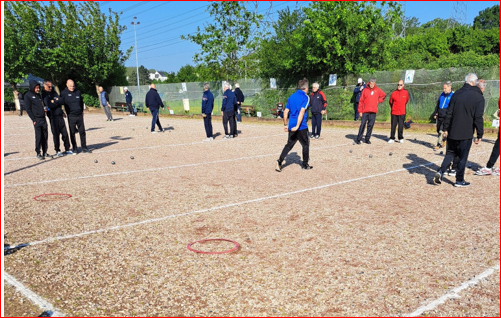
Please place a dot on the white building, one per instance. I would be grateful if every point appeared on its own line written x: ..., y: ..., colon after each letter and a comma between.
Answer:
x: 161, y: 76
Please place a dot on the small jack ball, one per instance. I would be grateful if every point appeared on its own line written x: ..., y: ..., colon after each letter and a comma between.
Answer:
x: 132, y: 157
x: 113, y: 162
x: 95, y: 161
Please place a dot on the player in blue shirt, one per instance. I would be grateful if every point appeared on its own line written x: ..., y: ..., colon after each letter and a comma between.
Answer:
x: 295, y: 112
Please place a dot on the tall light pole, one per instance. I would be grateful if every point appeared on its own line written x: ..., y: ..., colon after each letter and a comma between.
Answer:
x: 134, y: 23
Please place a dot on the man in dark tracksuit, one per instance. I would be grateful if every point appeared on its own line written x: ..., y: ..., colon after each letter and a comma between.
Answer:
x: 228, y: 111
x: 36, y: 110
x: 440, y: 111
x: 464, y: 116
x: 207, y: 106
x: 73, y: 104
x: 154, y: 102
x: 318, y: 105
x: 240, y: 100
x: 128, y: 101
x: 56, y: 114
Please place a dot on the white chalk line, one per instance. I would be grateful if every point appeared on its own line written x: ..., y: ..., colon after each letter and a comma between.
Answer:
x: 155, y: 169
x: 156, y: 147
x: 31, y: 296
x: 117, y: 227
x: 453, y: 293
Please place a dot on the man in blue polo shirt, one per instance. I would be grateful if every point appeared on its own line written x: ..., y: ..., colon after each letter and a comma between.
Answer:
x: 295, y: 110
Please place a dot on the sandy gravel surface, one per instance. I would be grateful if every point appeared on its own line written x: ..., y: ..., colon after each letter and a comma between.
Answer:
x: 355, y: 236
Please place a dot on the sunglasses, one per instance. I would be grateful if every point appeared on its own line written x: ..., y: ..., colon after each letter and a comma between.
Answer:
x: 400, y: 84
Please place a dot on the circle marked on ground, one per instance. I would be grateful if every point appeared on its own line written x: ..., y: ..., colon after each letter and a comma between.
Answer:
x: 208, y: 240
x: 52, y: 197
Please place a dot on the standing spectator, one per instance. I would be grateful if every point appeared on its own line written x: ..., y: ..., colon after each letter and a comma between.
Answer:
x: 56, y: 118
x: 207, y: 106
x: 154, y: 102
x: 357, y: 92
x: 228, y: 111
x: 297, y: 106
x: 21, y: 102
x: 36, y: 111
x: 398, y: 101
x: 128, y: 101
x: 318, y: 108
x: 463, y: 117
x: 367, y: 107
x: 73, y: 104
x: 488, y: 169
x: 240, y: 100
x: 105, y: 103
x: 440, y: 111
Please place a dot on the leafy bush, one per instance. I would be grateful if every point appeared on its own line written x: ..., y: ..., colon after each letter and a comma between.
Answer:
x: 90, y: 100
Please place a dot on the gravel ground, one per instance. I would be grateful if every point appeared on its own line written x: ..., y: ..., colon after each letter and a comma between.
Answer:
x: 368, y: 238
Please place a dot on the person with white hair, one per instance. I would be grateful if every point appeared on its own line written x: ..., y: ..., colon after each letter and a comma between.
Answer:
x: 128, y: 101
x: 228, y: 111
x: 357, y: 92
x: 464, y: 116
x: 318, y: 105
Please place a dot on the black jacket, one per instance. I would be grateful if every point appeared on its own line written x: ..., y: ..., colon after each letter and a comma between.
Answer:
x: 239, y: 95
x: 55, y: 107
x: 73, y: 102
x: 33, y: 102
x: 153, y: 100
x: 465, y: 113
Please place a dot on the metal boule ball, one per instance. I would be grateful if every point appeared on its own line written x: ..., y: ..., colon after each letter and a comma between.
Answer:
x: 370, y: 156
x: 95, y: 161
x: 113, y: 162
x: 391, y: 153
x: 441, y: 152
x: 351, y: 151
x: 132, y: 157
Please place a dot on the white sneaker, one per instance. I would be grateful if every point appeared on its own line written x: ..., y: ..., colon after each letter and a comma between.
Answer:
x: 484, y: 171
x: 391, y: 141
x: 131, y: 115
x: 208, y: 139
x: 59, y: 154
x: 401, y: 141
x: 495, y: 172
x: 226, y: 137
x: 69, y: 152
x: 154, y: 132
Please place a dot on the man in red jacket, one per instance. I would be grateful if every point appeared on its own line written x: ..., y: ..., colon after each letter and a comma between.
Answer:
x: 398, y: 100
x: 367, y: 107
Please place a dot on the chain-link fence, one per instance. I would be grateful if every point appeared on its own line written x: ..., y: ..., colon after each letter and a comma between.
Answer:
x: 424, y: 93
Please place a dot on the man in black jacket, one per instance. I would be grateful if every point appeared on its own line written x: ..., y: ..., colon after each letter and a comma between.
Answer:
x: 240, y: 100
x: 36, y: 110
x: 154, y: 102
x: 73, y: 104
x: 56, y: 114
x: 464, y: 116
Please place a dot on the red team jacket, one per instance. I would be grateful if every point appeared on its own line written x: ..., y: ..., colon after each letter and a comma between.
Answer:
x: 398, y: 101
x: 370, y: 98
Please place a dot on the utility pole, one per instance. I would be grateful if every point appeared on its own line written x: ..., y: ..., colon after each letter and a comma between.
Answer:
x: 134, y: 23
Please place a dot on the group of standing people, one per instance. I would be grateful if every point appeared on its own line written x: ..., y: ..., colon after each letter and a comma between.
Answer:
x: 48, y: 104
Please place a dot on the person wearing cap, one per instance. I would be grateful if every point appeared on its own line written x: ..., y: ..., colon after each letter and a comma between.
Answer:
x: 398, y: 101
x: 105, y: 103
x: 128, y: 101
x: 367, y: 107
x: 357, y: 92
x: 37, y: 112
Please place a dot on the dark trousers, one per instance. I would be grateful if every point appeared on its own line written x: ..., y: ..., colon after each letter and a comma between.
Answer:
x: 316, y: 124
x: 155, y: 119
x: 57, y: 128
x: 235, y: 120
x: 494, y: 154
x: 294, y: 136
x: 355, y: 108
x: 397, y: 120
x: 369, y: 119
x: 460, y: 149
x: 239, y: 115
x: 229, y: 117
x: 208, y: 125
x: 130, y: 109
x: 21, y: 108
x: 77, y: 122
x: 41, y: 135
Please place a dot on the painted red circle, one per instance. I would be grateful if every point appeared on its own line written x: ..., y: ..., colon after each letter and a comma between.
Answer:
x: 56, y: 196
x: 218, y: 239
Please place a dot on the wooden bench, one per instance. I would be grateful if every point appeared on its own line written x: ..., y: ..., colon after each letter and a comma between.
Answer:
x: 120, y: 106
x: 248, y: 110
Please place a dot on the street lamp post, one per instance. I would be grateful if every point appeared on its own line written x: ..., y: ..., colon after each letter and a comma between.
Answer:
x: 134, y: 23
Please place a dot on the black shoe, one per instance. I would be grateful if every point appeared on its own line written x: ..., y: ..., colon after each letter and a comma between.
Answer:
x: 86, y: 150
x: 40, y: 157
x: 74, y: 150
x: 307, y: 166
x: 461, y: 184
x: 46, y: 155
x: 358, y: 142
x: 278, y: 167
x: 438, y: 177
x: 368, y: 142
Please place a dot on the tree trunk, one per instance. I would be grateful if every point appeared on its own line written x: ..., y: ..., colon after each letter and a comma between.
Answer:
x: 16, y: 97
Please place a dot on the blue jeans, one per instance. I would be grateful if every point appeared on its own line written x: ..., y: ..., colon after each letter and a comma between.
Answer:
x: 155, y: 119
x: 239, y: 116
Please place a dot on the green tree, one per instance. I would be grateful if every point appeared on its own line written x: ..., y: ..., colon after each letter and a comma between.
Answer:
x: 439, y: 23
x: 230, y: 38
x: 487, y: 19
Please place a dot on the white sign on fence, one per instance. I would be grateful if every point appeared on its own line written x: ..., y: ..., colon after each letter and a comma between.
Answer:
x: 273, y: 83
x: 183, y: 85
x: 409, y: 76
x: 332, y: 79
